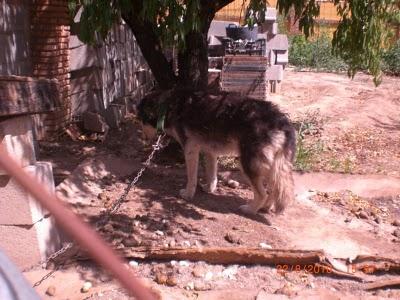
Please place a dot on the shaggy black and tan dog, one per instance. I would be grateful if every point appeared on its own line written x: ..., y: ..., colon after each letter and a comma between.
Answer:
x: 229, y: 124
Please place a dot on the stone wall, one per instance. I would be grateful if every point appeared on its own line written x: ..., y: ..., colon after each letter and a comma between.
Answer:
x: 104, y: 74
x: 14, y: 38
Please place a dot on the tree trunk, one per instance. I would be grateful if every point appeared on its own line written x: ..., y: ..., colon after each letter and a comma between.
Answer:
x: 193, y: 58
x: 150, y: 45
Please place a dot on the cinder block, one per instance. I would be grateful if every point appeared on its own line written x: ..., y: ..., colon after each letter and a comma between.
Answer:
x: 16, y: 135
x: 274, y: 72
x: 20, y: 245
x: 28, y: 233
x: 94, y: 122
x: 114, y: 114
x: 17, y: 207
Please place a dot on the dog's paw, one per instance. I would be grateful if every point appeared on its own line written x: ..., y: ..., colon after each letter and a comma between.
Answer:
x: 185, y: 195
x: 247, y: 209
x: 207, y: 188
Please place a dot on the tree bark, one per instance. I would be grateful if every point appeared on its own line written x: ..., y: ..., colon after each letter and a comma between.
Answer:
x: 193, y: 59
x: 151, y: 48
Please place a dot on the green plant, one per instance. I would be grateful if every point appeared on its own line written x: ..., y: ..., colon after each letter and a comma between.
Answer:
x: 391, y: 59
x: 307, y: 153
x: 315, y: 54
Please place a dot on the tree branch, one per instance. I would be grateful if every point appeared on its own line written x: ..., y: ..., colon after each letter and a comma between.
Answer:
x: 151, y: 48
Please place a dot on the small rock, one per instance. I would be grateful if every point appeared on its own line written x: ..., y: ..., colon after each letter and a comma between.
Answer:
x: 347, y: 220
x: 396, y: 223
x: 189, y: 286
x: 287, y: 290
x: 233, y: 183
x: 159, y: 233
x: 198, y: 272
x: 311, y: 285
x: 184, y: 263
x: 396, y: 233
x: 209, y: 276
x: 230, y: 272
x: 232, y: 238
x: 201, y: 286
x: 172, y: 280
x: 186, y: 244
x: 51, y: 290
x: 133, y: 263
x: 102, y: 196
x: 378, y: 220
x: 108, y: 227
x: 173, y: 262
x: 363, y: 215
x: 265, y: 246
x: 326, y: 195
x: 172, y: 243
x: 132, y: 242
x: 86, y: 287
x: 161, y: 278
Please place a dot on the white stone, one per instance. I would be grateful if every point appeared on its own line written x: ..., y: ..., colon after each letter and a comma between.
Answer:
x: 184, y: 263
x: 265, y: 246
x: 86, y: 287
x: 133, y: 263
x: 16, y: 135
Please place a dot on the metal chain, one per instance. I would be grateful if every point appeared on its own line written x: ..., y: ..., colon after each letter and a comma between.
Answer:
x: 106, y: 216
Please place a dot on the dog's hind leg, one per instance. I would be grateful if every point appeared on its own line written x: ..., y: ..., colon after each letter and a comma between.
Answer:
x: 210, y: 173
x: 260, y: 195
x: 191, y: 159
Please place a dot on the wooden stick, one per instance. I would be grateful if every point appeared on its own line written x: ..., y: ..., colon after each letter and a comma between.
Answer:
x: 229, y: 255
x: 382, y: 284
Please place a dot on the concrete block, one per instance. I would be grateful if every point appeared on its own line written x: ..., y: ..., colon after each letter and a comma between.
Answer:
x: 20, y: 244
x: 114, y: 114
x: 17, y: 207
x: 274, y: 29
x: 274, y: 72
x: 270, y: 14
x: 16, y: 135
x: 28, y: 232
x: 282, y: 57
x: 94, y: 122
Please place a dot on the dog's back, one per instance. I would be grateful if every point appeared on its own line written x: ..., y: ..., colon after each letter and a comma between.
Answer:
x: 256, y: 131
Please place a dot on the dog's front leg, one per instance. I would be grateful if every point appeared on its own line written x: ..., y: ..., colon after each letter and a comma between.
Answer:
x: 211, y: 173
x: 191, y: 159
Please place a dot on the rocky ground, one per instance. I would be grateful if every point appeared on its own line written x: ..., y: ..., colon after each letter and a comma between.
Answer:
x: 347, y: 126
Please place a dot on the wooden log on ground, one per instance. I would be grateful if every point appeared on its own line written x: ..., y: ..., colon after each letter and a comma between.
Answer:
x: 26, y: 95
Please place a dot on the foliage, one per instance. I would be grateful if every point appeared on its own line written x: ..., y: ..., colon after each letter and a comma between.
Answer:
x: 172, y: 19
x: 316, y: 54
x: 307, y: 154
x: 362, y: 34
x: 391, y: 59
x: 359, y: 39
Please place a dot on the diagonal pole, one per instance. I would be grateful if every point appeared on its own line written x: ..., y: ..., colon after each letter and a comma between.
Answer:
x: 85, y: 236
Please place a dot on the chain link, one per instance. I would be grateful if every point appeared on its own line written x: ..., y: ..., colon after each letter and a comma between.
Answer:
x: 106, y: 216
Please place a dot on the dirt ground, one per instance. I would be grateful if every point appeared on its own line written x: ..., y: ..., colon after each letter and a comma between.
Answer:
x: 356, y: 128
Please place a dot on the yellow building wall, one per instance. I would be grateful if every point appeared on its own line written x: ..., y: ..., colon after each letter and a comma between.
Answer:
x: 236, y: 10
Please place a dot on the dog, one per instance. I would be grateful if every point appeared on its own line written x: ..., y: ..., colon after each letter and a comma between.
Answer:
x: 223, y: 123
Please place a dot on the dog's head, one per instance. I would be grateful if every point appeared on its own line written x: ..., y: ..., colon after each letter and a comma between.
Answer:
x: 149, y: 109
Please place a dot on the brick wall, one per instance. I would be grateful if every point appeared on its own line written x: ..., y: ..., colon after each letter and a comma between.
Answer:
x: 50, y: 33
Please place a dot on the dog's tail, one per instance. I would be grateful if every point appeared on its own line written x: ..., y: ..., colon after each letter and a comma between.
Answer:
x: 281, y: 181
